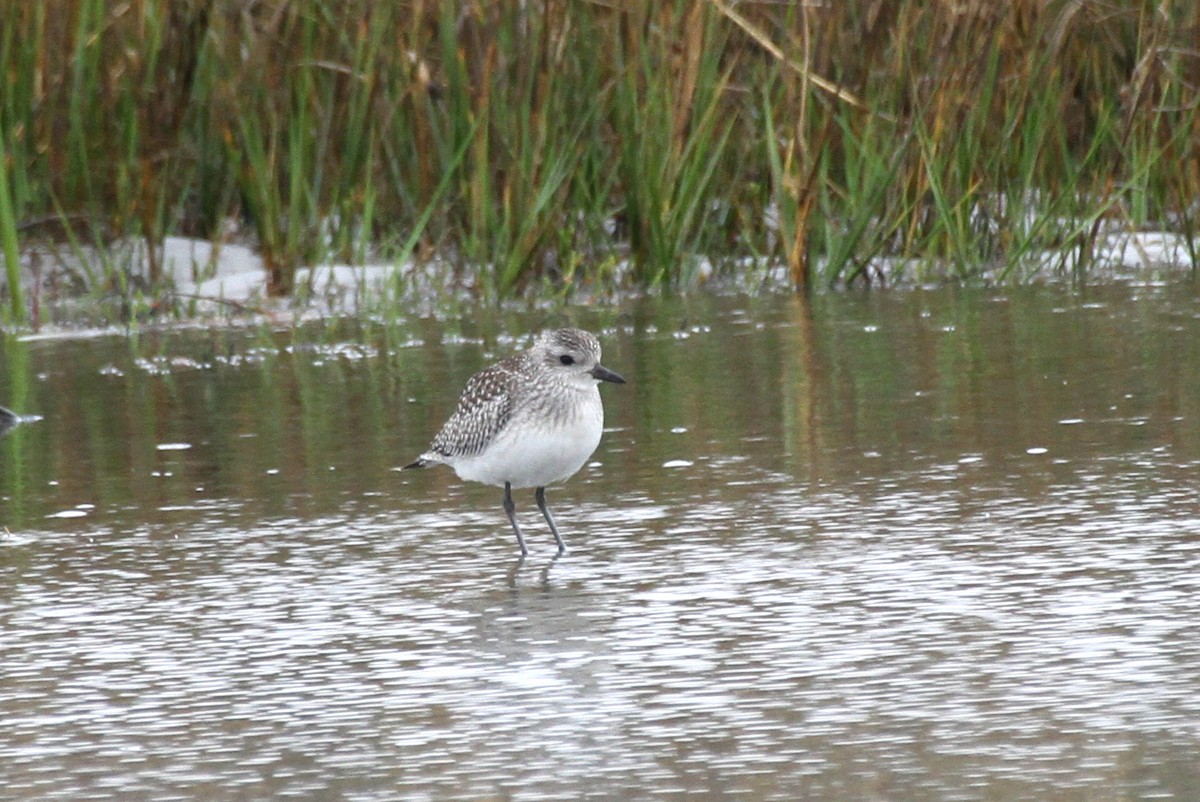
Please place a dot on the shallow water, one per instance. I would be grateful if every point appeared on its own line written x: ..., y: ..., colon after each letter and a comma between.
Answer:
x: 921, y: 546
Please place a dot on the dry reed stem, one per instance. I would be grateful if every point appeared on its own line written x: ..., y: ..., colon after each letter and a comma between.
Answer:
x: 764, y: 41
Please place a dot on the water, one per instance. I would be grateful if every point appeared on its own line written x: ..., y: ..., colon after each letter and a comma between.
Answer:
x: 919, y: 546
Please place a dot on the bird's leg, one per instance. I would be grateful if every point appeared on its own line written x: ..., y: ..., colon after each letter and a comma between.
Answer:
x: 541, y: 502
x: 511, y: 509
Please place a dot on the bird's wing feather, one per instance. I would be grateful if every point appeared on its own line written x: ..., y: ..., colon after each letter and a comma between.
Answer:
x: 483, y: 410
x: 7, y: 420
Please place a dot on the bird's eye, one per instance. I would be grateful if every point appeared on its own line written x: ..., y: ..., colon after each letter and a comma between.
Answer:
x: 567, y: 359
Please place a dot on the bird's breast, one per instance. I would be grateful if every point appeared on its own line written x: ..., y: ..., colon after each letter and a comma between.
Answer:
x: 539, y: 447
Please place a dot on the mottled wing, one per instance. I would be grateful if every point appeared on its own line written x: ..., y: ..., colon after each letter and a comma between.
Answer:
x: 483, y: 410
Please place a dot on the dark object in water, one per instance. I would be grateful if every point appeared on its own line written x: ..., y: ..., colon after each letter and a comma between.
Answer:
x: 7, y: 420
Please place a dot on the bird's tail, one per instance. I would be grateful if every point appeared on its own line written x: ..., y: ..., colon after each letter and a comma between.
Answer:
x: 9, y: 419
x: 430, y: 457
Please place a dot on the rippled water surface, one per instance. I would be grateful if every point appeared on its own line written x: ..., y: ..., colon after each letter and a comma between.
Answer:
x: 912, y: 546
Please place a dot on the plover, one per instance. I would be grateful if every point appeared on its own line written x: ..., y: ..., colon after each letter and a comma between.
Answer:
x: 7, y: 420
x: 530, y: 420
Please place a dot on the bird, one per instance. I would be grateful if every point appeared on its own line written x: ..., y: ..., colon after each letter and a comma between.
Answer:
x: 530, y: 420
x: 8, y: 420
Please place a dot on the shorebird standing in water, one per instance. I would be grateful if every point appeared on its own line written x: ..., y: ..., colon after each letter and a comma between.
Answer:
x: 530, y: 420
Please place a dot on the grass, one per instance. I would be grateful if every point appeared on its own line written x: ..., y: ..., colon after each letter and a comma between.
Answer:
x: 577, y: 143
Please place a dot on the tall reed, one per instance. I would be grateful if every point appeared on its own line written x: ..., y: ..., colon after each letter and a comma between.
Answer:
x: 554, y: 144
